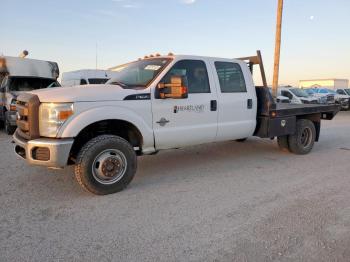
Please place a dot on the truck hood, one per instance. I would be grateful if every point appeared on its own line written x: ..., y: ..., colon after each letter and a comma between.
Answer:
x: 339, y: 96
x: 84, y: 93
x: 308, y: 98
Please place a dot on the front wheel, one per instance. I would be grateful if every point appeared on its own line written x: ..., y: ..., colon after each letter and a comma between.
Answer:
x: 303, y: 140
x: 106, y: 165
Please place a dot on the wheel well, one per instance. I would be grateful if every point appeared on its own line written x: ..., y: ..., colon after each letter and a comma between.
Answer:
x: 316, y: 120
x: 120, y: 128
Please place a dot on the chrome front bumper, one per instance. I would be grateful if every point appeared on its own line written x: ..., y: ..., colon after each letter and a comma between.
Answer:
x: 58, y: 149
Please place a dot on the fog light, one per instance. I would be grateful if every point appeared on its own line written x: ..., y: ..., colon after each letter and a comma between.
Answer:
x: 41, y: 153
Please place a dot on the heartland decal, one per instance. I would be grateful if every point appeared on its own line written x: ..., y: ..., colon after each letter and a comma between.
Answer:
x: 189, y: 108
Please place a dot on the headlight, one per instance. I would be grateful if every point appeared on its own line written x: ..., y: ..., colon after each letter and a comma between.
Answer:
x: 52, y: 116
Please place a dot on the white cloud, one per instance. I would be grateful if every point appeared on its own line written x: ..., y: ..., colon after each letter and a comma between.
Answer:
x: 188, y: 2
x: 127, y: 4
x: 131, y: 6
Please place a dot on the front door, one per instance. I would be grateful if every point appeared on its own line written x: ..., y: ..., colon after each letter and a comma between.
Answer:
x: 189, y: 121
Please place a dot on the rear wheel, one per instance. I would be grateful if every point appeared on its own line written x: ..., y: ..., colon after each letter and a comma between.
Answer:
x: 303, y: 140
x: 106, y: 165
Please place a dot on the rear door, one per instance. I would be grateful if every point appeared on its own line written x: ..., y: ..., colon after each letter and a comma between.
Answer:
x: 237, y: 100
x: 189, y: 121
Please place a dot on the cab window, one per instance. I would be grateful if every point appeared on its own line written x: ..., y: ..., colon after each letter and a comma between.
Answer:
x: 287, y: 94
x: 230, y: 77
x: 196, y: 73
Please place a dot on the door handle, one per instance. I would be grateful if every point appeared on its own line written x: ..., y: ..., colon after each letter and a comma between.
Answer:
x: 163, y: 121
x: 213, y: 105
x: 250, y: 103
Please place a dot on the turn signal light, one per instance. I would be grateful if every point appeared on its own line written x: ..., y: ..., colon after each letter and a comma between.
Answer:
x: 63, y: 115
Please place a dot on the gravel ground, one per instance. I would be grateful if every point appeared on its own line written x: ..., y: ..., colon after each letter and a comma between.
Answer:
x: 219, y: 202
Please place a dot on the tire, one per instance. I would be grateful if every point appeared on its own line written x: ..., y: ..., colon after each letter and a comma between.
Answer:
x: 105, y: 165
x: 10, y: 130
x: 283, y: 144
x: 302, y: 142
x: 241, y: 140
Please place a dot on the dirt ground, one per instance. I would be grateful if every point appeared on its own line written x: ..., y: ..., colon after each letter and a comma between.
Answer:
x: 217, y: 202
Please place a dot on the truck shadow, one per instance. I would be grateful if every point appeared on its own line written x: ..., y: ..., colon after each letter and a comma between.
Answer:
x: 192, y: 163
x: 167, y: 166
x: 206, y: 160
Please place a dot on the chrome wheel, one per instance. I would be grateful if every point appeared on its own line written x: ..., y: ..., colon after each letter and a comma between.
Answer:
x: 306, y: 137
x: 109, y: 166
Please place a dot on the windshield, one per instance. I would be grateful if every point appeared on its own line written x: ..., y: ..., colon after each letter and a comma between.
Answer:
x: 139, y: 73
x: 26, y: 84
x: 299, y: 92
x: 98, y: 81
x: 331, y: 91
x: 347, y: 91
x: 310, y: 91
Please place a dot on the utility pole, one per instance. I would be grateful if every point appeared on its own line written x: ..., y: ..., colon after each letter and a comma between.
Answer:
x: 277, y: 48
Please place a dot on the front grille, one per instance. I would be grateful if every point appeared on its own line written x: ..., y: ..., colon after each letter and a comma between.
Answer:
x: 330, y: 99
x: 28, y: 116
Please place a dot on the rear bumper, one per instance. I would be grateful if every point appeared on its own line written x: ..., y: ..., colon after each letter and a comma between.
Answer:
x: 54, y: 153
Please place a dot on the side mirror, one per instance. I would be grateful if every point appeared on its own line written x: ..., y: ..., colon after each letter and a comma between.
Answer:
x: 177, y: 88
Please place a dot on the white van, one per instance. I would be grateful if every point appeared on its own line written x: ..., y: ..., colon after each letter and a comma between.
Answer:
x: 86, y: 77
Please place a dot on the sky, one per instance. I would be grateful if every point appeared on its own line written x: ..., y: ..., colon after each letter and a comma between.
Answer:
x: 315, y: 34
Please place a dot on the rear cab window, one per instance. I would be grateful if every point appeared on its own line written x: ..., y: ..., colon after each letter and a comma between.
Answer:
x: 231, y: 78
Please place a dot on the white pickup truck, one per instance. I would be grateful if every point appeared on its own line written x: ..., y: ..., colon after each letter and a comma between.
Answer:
x: 156, y: 103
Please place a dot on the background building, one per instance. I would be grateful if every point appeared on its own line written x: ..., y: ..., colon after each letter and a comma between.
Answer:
x: 325, y: 83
